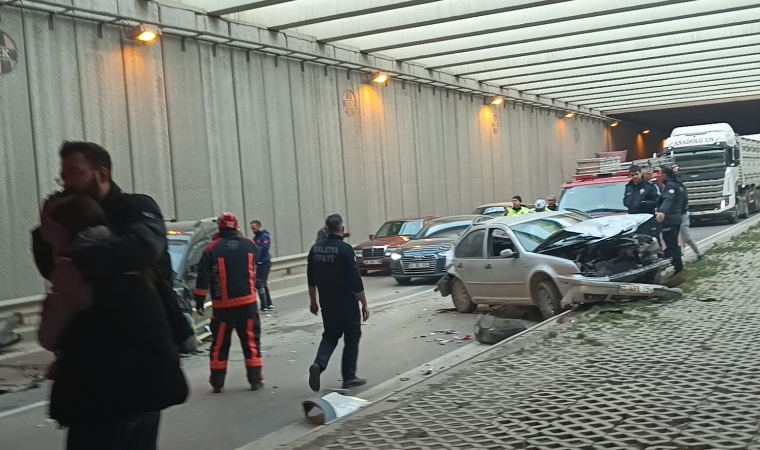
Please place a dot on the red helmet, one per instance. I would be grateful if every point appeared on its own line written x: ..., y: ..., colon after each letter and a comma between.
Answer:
x: 227, y: 221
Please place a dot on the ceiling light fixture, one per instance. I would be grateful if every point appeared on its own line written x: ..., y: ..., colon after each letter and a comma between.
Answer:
x: 498, y: 100
x: 144, y: 33
x: 569, y: 115
x: 614, y: 124
x: 379, y: 77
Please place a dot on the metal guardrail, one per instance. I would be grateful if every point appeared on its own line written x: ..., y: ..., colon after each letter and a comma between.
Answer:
x: 33, y: 304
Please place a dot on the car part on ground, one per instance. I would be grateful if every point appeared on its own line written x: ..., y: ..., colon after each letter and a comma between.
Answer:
x: 490, y: 329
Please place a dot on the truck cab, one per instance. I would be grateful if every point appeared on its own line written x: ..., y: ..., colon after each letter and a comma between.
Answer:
x: 720, y: 169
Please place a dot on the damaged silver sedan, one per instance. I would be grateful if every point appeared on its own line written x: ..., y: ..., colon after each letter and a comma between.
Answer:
x: 553, y: 260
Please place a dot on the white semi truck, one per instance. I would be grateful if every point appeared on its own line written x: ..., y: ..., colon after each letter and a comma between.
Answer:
x: 720, y: 169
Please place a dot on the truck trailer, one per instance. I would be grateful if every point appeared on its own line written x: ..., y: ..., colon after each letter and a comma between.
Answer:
x: 720, y: 169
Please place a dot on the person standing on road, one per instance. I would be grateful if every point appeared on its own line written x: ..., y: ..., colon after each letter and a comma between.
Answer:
x: 551, y: 203
x: 669, y: 215
x: 263, y: 239
x: 323, y: 234
x: 113, y: 382
x: 332, y: 272
x: 648, y: 175
x: 517, y: 208
x: 227, y: 271
x: 540, y: 205
x: 686, y: 219
x: 641, y: 198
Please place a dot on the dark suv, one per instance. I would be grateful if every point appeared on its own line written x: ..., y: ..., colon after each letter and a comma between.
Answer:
x: 425, y: 255
x: 375, y: 253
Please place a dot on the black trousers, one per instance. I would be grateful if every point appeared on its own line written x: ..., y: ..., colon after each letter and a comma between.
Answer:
x: 262, y: 275
x: 672, y: 248
x: 341, y: 322
x: 246, y: 321
x: 134, y: 432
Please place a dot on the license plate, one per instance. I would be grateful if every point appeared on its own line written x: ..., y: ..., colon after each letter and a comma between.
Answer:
x: 635, y: 289
x: 422, y: 265
x: 373, y: 262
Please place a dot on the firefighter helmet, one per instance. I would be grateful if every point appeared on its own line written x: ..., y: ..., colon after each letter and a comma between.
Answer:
x: 227, y: 221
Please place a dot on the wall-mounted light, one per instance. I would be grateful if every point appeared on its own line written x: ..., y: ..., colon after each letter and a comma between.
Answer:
x: 645, y: 132
x: 144, y: 33
x: 379, y: 77
x: 569, y: 115
x: 498, y: 100
x: 614, y: 124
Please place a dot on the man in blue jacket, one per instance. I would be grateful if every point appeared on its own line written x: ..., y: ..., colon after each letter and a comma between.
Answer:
x: 263, y: 239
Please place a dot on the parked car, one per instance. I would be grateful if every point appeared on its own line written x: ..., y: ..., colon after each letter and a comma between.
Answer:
x: 554, y: 260
x: 375, y: 253
x: 187, y: 240
x: 425, y: 255
x: 496, y: 209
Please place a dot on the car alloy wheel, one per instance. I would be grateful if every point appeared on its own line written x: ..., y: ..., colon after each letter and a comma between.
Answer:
x: 548, y: 299
x: 461, y: 297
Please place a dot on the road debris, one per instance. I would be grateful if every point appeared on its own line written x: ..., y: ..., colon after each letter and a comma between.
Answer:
x: 490, y: 329
x: 427, y: 369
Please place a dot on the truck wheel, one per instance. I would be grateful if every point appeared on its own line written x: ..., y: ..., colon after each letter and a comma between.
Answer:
x: 403, y: 281
x: 462, y: 301
x: 734, y: 216
x: 548, y: 299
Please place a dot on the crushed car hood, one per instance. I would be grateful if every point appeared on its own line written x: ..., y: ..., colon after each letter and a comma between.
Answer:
x: 599, y: 228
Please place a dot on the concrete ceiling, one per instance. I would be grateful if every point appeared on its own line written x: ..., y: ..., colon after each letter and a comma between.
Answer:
x: 614, y: 56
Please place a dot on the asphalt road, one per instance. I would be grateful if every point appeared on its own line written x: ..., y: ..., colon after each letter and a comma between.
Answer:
x: 397, y: 338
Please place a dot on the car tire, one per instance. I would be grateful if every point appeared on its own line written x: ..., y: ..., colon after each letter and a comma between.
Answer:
x: 548, y: 299
x: 461, y: 298
x: 403, y: 281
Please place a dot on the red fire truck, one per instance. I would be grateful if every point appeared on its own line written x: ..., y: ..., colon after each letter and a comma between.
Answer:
x: 598, y: 186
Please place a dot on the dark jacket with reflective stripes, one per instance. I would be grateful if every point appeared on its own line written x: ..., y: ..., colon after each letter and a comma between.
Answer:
x: 227, y: 271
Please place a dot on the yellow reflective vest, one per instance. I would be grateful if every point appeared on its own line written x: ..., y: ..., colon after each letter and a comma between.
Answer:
x: 511, y: 211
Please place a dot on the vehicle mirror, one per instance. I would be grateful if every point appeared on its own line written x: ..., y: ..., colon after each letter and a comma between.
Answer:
x: 507, y: 253
x: 371, y: 236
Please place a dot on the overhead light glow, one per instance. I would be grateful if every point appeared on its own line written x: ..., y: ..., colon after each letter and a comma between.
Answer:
x: 380, y: 77
x: 569, y: 115
x: 645, y: 132
x: 614, y: 124
x: 498, y: 100
x: 144, y: 33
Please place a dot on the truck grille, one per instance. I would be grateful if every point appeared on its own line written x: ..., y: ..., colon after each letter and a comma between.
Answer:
x: 373, y: 252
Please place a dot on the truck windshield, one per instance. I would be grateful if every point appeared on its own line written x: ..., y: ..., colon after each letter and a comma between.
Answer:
x: 398, y: 228
x: 595, y: 199
x: 700, y: 159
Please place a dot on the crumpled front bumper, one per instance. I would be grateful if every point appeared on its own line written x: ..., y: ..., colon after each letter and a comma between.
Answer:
x: 579, y: 289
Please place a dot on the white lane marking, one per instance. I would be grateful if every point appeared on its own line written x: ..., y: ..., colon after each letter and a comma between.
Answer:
x: 22, y: 409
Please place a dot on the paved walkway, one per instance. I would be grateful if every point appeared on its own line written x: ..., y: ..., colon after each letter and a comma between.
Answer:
x: 681, y: 375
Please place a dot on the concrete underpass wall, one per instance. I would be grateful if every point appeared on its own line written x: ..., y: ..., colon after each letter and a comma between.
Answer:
x: 204, y: 130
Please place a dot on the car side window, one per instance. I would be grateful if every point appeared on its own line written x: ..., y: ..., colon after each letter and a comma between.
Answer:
x: 471, y: 246
x: 195, y: 254
x: 498, y: 240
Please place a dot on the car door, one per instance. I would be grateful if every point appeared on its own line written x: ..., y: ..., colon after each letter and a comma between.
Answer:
x: 469, y: 261
x: 504, y: 279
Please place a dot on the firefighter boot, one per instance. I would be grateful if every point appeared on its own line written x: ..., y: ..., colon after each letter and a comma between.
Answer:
x: 217, y: 380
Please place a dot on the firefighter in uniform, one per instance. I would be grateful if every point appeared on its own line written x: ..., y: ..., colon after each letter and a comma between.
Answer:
x: 332, y: 272
x: 669, y: 215
x: 227, y: 271
x: 641, y: 197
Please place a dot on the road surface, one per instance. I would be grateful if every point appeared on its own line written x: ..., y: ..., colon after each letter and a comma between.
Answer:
x: 397, y: 338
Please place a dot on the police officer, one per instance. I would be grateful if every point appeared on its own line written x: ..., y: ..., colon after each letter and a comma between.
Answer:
x: 332, y: 271
x: 648, y: 175
x: 641, y: 197
x: 227, y: 271
x: 669, y: 215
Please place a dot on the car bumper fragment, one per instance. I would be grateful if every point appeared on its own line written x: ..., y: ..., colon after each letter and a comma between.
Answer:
x: 579, y: 289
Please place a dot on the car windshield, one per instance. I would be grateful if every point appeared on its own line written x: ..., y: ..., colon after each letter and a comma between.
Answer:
x: 702, y: 159
x: 399, y: 228
x: 532, y: 234
x: 177, y: 251
x: 437, y: 230
x: 594, y: 198
x: 490, y: 210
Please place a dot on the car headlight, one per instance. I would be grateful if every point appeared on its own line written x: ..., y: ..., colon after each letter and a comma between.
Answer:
x: 390, y: 251
x: 449, y: 255
x: 395, y: 256
x: 358, y: 253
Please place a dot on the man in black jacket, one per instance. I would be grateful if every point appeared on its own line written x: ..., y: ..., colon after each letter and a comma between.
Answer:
x: 331, y: 270
x: 669, y: 215
x: 139, y: 246
x: 641, y: 198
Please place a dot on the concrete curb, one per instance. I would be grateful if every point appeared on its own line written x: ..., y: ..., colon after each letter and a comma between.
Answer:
x: 287, y: 436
